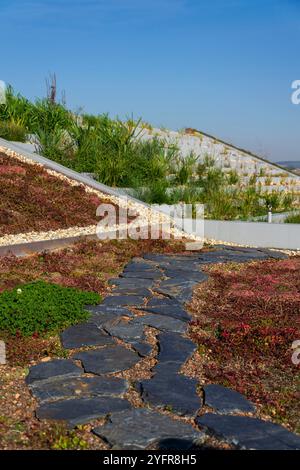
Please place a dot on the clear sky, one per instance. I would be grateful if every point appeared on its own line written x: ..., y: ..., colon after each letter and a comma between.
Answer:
x: 222, y: 66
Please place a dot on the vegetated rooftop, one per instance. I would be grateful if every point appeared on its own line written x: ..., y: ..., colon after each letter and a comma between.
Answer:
x: 31, y: 199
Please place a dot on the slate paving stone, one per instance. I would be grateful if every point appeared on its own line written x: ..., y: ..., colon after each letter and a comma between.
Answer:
x: 131, y: 332
x: 175, y: 392
x: 127, y: 331
x: 249, y: 433
x: 143, y: 348
x: 139, y: 428
x: 160, y: 302
x: 149, y: 274
x: 85, y: 334
x: 174, y: 348
x: 50, y: 369
x: 224, y: 400
x: 189, y: 275
x: 107, y: 360
x: 131, y: 282
x: 180, y: 294
x: 176, y: 283
x: 140, y: 266
x: 162, y: 322
x: 132, y: 290
x: 81, y: 410
x: 123, y: 300
x: 175, y: 312
x: 110, y: 311
x: 76, y: 387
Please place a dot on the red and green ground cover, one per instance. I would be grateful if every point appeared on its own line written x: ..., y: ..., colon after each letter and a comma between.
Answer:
x: 246, y: 319
x: 87, y: 266
x: 31, y: 199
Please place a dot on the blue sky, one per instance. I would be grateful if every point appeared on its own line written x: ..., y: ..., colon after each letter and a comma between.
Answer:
x: 222, y: 66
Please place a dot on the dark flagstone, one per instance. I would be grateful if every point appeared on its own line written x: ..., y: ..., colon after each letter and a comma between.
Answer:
x: 144, y: 349
x: 107, y: 360
x: 85, y: 334
x: 123, y: 300
x: 162, y: 322
x: 174, y: 392
x: 188, y: 275
x: 180, y: 294
x: 131, y: 332
x: 81, y: 410
x: 133, y: 290
x: 76, y: 387
x: 131, y: 282
x: 127, y: 331
x: 139, y: 428
x: 110, y: 311
x: 50, y: 369
x: 132, y: 267
x: 249, y: 433
x: 161, y: 302
x: 175, y: 312
x: 174, y: 348
x: 147, y: 274
x: 224, y: 400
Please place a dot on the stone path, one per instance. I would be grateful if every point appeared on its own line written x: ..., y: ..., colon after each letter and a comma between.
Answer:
x: 82, y: 389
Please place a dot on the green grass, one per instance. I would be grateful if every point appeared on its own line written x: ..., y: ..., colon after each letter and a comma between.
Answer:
x: 12, y: 130
x: 40, y: 307
x: 293, y: 219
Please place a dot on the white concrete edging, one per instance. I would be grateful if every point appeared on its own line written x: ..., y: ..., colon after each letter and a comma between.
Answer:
x: 257, y: 234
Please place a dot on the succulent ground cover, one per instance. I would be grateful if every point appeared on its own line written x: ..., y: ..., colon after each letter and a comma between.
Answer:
x: 86, y: 266
x: 31, y: 199
x: 89, y: 265
x: 246, y: 319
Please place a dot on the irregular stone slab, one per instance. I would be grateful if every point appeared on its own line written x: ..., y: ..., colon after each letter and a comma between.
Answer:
x: 180, y: 294
x: 132, y: 282
x: 132, y: 290
x: 107, y: 360
x: 131, y: 332
x: 224, y: 400
x: 85, y: 334
x: 174, y: 312
x: 55, y: 368
x: 249, y: 433
x: 76, y: 387
x: 162, y: 322
x: 188, y: 275
x: 165, y: 369
x: 110, y: 311
x: 175, y: 283
x: 160, y: 259
x: 122, y: 300
x: 138, y: 428
x: 127, y: 331
x: 147, y: 274
x: 141, y: 266
x: 175, y: 392
x: 143, y: 348
x: 81, y: 410
x: 174, y: 348
x: 160, y: 302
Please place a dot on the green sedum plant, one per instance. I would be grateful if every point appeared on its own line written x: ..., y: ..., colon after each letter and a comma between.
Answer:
x: 40, y: 307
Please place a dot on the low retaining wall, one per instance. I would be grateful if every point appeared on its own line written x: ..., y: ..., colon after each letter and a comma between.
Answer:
x: 285, y: 236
